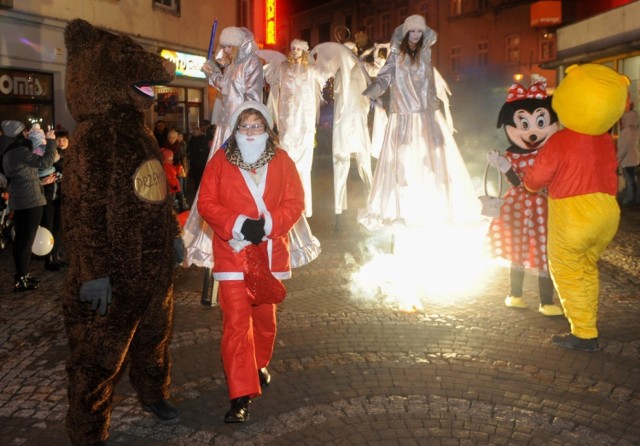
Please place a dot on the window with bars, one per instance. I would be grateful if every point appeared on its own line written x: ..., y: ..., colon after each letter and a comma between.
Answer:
x: 384, y: 24
x: 454, y: 59
x: 167, y: 5
x: 483, y: 54
x: 368, y: 26
x: 547, y: 46
x: 456, y: 7
x: 512, y: 46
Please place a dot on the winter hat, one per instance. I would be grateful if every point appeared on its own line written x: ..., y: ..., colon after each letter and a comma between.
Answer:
x: 251, y: 104
x: 414, y: 22
x: 12, y: 128
x: 232, y: 36
x: 301, y: 43
x: 167, y: 155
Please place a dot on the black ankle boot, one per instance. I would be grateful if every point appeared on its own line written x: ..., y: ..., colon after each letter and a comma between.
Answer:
x: 264, y: 376
x: 29, y: 278
x: 239, y: 412
x: 51, y: 265
x: 23, y: 284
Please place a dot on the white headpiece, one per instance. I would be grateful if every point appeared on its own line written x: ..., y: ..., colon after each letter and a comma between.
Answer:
x: 301, y: 43
x: 414, y: 22
x: 264, y: 111
x: 232, y: 36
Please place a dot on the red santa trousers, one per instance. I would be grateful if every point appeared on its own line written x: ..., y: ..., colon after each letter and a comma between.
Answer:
x: 248, y: 337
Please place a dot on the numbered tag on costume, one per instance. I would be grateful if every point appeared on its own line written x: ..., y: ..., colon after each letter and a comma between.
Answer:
x: 150, y: 182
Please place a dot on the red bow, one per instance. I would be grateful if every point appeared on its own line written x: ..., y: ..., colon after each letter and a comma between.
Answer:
x: 537, y: 90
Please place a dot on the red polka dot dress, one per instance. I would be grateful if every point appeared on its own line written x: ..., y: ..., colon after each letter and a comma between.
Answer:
x: 520, y: 233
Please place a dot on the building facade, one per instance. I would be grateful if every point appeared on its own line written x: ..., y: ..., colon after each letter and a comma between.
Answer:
x: 33, y: 55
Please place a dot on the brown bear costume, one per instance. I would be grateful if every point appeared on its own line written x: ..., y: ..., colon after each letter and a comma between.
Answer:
x: 119, y: 231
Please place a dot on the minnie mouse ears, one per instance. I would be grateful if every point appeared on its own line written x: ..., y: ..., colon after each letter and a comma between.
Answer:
x: 537, y: 90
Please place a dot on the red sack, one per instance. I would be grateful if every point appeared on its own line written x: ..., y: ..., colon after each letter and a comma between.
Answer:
x: 263, y: 287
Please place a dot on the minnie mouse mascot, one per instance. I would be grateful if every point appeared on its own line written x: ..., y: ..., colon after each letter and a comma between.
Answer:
x: 519, y: 234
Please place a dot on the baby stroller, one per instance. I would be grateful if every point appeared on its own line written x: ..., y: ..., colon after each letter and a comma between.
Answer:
x: 7, y: 232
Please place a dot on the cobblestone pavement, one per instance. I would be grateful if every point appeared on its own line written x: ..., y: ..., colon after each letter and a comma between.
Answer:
x: 354, y: 371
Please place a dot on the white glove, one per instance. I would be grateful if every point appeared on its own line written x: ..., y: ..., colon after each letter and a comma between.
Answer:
x: 210, y: 68
x: 497, y: 160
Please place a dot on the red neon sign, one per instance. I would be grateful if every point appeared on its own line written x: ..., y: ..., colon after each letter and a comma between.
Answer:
x: 270, y: 22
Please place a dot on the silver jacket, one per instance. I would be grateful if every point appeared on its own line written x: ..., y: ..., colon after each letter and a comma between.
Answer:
x: 243, y: 80
x: 412, y: 86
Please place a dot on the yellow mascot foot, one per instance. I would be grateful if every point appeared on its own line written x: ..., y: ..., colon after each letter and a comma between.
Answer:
x: 550, y: 310
x: 515, y: 302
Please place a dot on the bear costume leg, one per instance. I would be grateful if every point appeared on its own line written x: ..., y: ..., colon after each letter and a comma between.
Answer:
x: 93, y: 371
x: 248, y: 338
x: 580, y: 229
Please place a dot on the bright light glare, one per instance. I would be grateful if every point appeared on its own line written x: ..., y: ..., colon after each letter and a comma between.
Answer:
x: 441, y: 265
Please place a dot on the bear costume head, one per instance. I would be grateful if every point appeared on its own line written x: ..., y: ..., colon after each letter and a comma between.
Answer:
x: 591, y: 98
x: 128, y: 86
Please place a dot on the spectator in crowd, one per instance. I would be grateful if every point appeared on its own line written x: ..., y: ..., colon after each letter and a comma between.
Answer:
x: 26, y: 196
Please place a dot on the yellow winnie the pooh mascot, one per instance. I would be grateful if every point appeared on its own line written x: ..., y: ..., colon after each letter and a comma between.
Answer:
x: 578, y: 167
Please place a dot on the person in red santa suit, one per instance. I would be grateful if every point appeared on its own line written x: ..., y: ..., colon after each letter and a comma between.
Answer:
x: 251, y: 196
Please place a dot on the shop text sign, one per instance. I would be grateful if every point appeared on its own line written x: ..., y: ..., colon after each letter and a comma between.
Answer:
x: 25, y: 84
x: 186, y: 64
x: 270, y: 22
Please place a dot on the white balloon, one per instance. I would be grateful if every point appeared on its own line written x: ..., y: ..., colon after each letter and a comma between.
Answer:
x: 43, y: 244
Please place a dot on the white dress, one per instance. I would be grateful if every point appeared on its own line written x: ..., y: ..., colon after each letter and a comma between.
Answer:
x: 420, y: 179
x: 295, y: 103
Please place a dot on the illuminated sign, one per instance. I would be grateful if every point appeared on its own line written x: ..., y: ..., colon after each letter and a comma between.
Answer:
x: 186, y: 64
x: 546, y: 13
x: 270, y: 22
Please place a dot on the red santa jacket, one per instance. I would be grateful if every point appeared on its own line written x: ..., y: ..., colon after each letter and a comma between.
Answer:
x: 228, y: 196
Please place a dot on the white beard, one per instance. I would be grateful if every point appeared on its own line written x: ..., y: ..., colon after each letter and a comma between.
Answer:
x: 251, y: 150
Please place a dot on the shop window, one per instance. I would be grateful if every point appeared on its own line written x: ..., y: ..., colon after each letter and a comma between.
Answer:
x: 172, y: 6
x: 27, y: 96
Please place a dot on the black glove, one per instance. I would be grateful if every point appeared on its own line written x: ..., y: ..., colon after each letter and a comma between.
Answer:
x: 178, y: 249
x: 253, y: 230
x: 97, y: 292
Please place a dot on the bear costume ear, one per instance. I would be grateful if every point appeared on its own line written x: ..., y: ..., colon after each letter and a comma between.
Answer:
x: 78, y: 33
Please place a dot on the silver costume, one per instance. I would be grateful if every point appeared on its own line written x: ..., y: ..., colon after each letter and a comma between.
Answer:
x: 420, y: 178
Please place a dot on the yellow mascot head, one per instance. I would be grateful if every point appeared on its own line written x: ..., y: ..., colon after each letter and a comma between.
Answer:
x: 591, y: 98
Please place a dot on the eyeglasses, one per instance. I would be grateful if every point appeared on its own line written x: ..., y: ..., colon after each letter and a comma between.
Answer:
x: 251, y: 128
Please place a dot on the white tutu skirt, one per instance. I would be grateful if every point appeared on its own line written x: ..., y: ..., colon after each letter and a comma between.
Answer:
x: 420, y: 179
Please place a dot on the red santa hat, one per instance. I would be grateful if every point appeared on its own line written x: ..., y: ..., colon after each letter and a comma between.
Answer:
x: 263, y: 287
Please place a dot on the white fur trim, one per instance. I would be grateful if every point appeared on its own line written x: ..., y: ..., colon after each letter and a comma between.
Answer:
x: 301, y: 43
x: 232, y: 36
x: 264, y: 111
x: 414, y: 22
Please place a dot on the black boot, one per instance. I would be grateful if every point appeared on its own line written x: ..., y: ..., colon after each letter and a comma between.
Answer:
x: 265, y: 377
x: 52, y: 265
x: 163, y: 411
x: 23, y: 284
x: 239, y: 412
x: 29, y: 278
